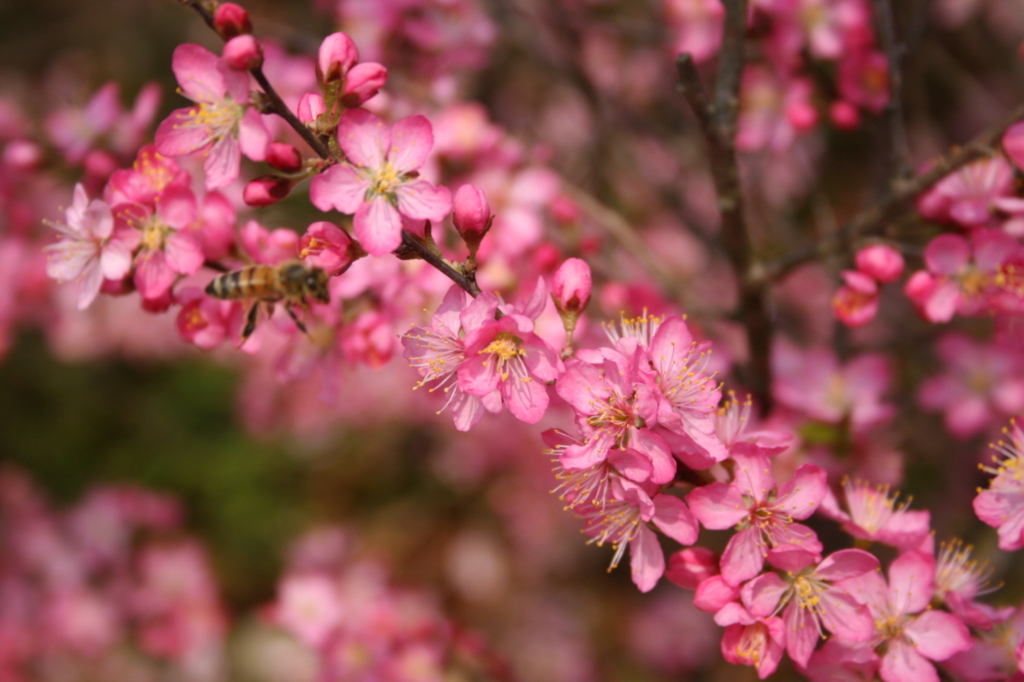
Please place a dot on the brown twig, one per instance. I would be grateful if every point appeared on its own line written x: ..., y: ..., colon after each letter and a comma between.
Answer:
x: 413, y: 247
x: 874, y: 218
x: 718, y: 122
x: 899, y: 148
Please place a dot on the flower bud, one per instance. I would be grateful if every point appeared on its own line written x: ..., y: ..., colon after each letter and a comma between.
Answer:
x: 691, y: 566
x: 844, y: 115
x: 327, y: 246
x: 284, y: 157
x: 472, y: 215
x: 243, y: 53
x: 570, y: 287
x: 23, y: 155
x: 311, y: 105
x: 337, y: 55
x: 883, y: 263
x: 267, y: 190
x: 363, y: 82
x: 231, y: 20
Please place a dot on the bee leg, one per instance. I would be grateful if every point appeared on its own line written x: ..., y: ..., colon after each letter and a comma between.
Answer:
x: 250, y: 321
x: 295, y: 318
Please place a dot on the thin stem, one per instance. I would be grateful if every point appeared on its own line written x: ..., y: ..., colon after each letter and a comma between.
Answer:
x: 874, y: 218
x: 899, y: 148
x: 413, y: 247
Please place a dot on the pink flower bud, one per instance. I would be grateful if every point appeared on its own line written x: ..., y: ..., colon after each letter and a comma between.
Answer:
x: 1013, y: 143
x: 802, y: 115
x: 571, y: 286
x: 337, y: 55
x: 472, y: 214
x: 689, y: 567
x: 844, y: 115
x: 363, y: 82
x: 327, y: 246
x: 311, y: 105
x: 23, y: 155
x: 883, y: 263
x: 284, y: 157
x: 243, y: 52
x: 267, y: 190
x: 564, y: 210
x: 231, y: 20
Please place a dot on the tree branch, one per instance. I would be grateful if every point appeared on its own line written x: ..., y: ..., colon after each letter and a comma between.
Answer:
x: 899, y: 148
x: 874, y: 218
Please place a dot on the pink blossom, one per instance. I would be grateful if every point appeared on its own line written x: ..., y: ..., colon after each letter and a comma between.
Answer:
x: 864, y: 79
x: 205, y: 321
x: 622, y: 521
x: 982, y: 383
x: 751, y: 640
x: 773, y: 109
x: 150, y: 174
x: 882, y: 263
x: 309, y: 606
x: 437, y: 351
x: 379, y: 183
x: 968, y: 195
x: 810, y: 599
x: 689, y: 567
x: 959, y: 579
x: 570, y: 286
x: 472, y: 217
x: 814, y: 383
x: 76, y: 131
x: 506, y: 355
x: 762, y: 512
x: 166, y: 248
x: 874, y: 514
x: 696, y: 26
x: 90, y: 250
x: 996, y: 655
x: 327, y: 246
x: 223, y: 124
x: 966, y: 277
x: 1001, y: 505
x: 611, y: 396
x: 734, y: 426
x: 856, y: 303
x: 913, y: 634
x: 687, y: 395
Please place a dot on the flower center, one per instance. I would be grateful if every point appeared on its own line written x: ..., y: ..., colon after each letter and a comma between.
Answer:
x: 385, y: 179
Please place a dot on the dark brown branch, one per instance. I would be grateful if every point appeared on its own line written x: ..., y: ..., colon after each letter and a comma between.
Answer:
x: 899, y: 148
x: 413, y: 248
x: 718, y: 122
x: 874, y: 218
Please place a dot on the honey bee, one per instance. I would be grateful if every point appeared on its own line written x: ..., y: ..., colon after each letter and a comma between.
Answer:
x: 291, y: 282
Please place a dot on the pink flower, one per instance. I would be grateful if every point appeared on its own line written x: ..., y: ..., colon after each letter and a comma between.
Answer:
x: 506, y: 355
x: 959, y: 579
x: 1001, y: 505
x: 814, y: 383
x: 167, y: 249
x: 205, y: 321
x: 611, y: 396
x: 623, y: 519
x: 811, y: 600
x: 734, y: 426
x: 856, y: 303
x: 437, y: 351
x: 223, y: 124
x: 751, y: 640
x: 968, y: 195
x: 774, y: 108
x: 687, y: 395
x: 762, y: 512
x: 89, y: 250
x: 864, y: 79
x: 875, y: 515
x: 912, y: 634
x: 150, y: 174
x: 379, y: 182
x: 309, y: 606
x: 882, y: 263
x: 966, y: 277
x: 327, y: 246
x: 982, y: 383
x: 696, y: 26
x: 997, y: 655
